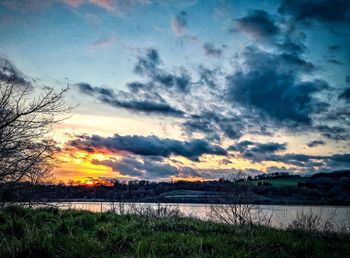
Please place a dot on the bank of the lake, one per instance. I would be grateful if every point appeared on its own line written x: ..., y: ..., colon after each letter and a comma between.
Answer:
x: 68, y: 233
x: 280, y: 216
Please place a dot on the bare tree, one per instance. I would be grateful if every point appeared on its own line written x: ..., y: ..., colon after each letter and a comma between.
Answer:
x: 235, y: 206
x: 26, y: 119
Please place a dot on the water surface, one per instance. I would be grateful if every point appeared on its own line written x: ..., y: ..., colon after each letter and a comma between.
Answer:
x: 280, y: 215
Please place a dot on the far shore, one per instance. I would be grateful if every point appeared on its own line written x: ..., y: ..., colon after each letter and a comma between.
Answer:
x: 183, y: 202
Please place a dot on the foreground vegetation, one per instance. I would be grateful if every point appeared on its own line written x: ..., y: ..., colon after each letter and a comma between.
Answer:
x: 51, y: 232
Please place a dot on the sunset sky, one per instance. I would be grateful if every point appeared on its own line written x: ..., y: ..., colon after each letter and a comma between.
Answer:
x: 195, y: 90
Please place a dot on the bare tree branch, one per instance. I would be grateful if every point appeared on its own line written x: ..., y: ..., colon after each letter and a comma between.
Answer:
x: 26, y: 150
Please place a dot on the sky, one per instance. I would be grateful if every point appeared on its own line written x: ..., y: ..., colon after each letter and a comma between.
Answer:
x: 188, y: 90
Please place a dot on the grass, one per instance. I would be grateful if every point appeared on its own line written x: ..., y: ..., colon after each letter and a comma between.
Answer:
x: 278, y: 182
x: 66, y: 233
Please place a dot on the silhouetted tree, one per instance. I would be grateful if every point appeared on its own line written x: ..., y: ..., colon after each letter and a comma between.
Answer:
x: 26, y: 119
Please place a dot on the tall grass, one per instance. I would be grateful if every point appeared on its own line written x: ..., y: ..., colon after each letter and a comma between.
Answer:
x: 309, y: 221
x: 50, y: 232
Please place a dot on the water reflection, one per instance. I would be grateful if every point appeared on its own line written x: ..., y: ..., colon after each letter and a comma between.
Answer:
x: 281, y: 215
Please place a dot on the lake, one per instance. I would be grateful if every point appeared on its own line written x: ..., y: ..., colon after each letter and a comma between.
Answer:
x: 280, y: 215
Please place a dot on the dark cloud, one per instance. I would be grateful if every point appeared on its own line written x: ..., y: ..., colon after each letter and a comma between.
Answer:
x: 299, y: 160
x: 211, y: 50
x: 272, y: 30
x: 149, y: 146
x: 135, y: 87
x: 256, y: 151
x: 259, y: 24
x: 146, y: 168
x: 335, y: 61
x: 334, y: 48
x: 268, y: 147
x: 212, y: 124
x: 328, y: 12
x: 276, y: 77
x: 302, y: 162
x: 207, y: 76
x: 261, y: 152
x: 90, y: 90
x: 179, y: 23
x: 340, y: 115
x: 138, y: 103
x: 291, y: 45
x: 345, y: 95
x: 281, y: 63
x: 315, y: 143
x: 241, y: 146
x: 142, y: 168
x: 333, y: 132
x: 148, y: 65
x: 342, y: 158
x: 9, y: 73
x: 225, y: 162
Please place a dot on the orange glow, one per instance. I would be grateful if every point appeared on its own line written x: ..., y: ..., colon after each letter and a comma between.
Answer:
x: 77, y: 167
x: 89, y: 183
x: 190, y: 179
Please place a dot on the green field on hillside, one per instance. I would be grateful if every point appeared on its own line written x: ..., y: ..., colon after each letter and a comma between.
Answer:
x: 278, y: 182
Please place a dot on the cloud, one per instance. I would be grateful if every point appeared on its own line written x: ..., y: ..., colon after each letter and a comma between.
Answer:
x: 257, y: 151
x: 179, y: 23
x: 334, y: 48
x: 74, y: 3
x: 146, y: 168
x: 132, y: 102
x: 208, y: 76
x: 334, y: 132
x: 345, y: 95
x: 109, y: 5
x: 291, y: 44
x: 342, y: 158
x: 114, y: 6
x: 315, y: 143
x: 261, y: 152
x: 268, y: 147
x: 258, y: 24
x: 211, y: 50
x: 328, y: 12
x: 136, y: 168
x: 148, y: 65
x: 103, y: 43
x: 305, y: 162
x: 276, y: 77
x: 149, y: 146
x: 212, y: 123
x: 335, y: 61
x: 271, y: 30
x: 9, y: 73
x: 241, y: 146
